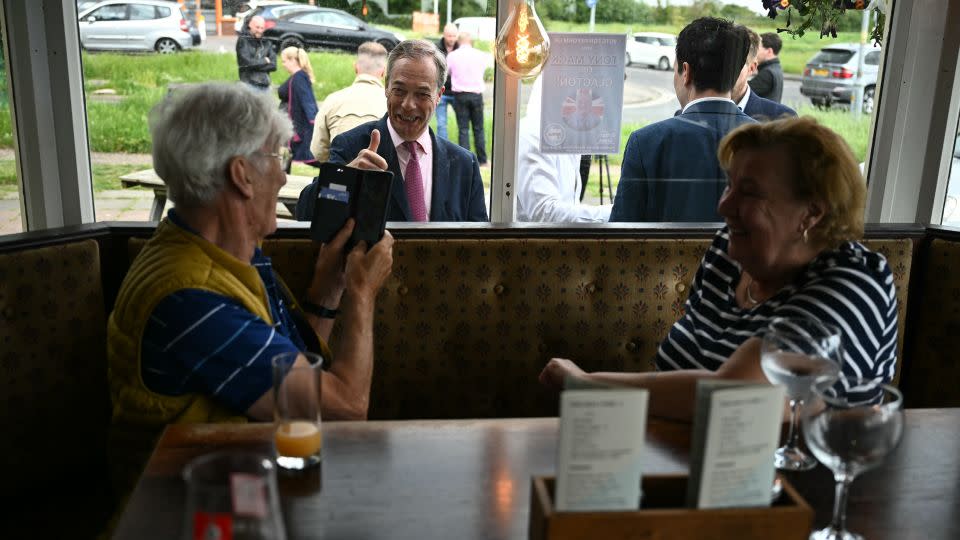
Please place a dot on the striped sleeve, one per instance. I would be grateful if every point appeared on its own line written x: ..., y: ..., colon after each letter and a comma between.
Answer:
x: 853, y: 290
x: 203, y: 342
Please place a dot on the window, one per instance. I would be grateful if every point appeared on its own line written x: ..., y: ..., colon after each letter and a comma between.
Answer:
x: 872, y: 58
x: 11, y: 220
x: 111, y: 13
x: 141, y: 12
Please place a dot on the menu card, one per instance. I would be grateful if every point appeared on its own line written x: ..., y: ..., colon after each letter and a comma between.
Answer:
x: 601, y: 443
x: 736, y: 429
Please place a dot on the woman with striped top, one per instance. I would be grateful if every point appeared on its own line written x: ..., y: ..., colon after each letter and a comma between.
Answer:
x: 793, y: 209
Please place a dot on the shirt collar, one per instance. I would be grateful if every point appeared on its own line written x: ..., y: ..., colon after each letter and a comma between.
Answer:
x: 175, y: 219
x: 424, y: 139
x: 369, y: 79
x: 743, y: 102
x: 703, y: 99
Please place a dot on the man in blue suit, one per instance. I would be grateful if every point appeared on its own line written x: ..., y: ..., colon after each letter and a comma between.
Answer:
x: 434, y: 179
x: 670, y: 169
x: 759, y: 108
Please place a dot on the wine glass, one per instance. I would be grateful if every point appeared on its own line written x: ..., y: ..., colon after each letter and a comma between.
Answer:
x: 793, y: 354
x: 851, y: 425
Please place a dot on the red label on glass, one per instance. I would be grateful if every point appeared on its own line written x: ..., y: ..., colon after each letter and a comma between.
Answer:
x: 212, y: 526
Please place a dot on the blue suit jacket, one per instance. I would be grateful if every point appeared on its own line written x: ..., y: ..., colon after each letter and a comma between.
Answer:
x: 457, y: 189
x: 763, y: 109
x: 670, y: 169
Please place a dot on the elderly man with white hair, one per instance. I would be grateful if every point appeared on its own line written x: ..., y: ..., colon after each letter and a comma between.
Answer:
x: 201, y: 312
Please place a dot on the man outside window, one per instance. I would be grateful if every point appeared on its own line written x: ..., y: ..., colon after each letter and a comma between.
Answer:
x: 447, y: 44
x: 467, y: 66
x: 756, y: 107
x: 361, y: 102
x: 433, y: 179
x: 769, y: 80
x: 256, y: 57
x: 670, y: 168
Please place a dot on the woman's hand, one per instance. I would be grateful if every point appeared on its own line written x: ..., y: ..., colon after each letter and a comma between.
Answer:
x: 556, y: 371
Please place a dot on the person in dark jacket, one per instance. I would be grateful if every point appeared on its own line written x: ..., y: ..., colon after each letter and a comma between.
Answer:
x: 297, y: 99
x: 769, y: 80
x: 256, y: 57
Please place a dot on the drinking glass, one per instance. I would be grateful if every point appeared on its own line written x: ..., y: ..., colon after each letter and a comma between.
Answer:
x: 851, y: 425
x: 793, y: 354
x: 296, y: 412
x: 232, y: 494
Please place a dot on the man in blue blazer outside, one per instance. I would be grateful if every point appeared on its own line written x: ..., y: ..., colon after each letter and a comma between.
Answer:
x: 670, y: 169
x: 433, y: 179
x: 759, y: 108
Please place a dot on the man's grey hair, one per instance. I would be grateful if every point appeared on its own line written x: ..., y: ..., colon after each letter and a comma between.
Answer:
x: 371, y: 58
x: 198, y: 129
x: 418, y: 49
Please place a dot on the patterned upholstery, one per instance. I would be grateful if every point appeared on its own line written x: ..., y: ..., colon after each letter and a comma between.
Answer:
x: 464, y: 326
x: 54, y: 380
x: 935, y: 372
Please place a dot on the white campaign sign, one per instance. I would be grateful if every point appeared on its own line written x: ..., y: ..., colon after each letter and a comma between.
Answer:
x: 583, y: 94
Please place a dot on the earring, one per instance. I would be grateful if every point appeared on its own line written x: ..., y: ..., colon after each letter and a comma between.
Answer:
x: 806, y: 240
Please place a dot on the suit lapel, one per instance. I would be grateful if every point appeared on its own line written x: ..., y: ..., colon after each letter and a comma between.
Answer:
x: 389, y: 153
x: 440, y: 191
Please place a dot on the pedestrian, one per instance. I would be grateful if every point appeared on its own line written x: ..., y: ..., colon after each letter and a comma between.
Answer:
x: 769, y: 80
x: 446, y: 45
x: 296, y: 97
x: 467, y: 66
x: 256, y: 57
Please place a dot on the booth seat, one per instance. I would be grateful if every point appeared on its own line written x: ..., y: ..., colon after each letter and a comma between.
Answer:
x: 463, y: 327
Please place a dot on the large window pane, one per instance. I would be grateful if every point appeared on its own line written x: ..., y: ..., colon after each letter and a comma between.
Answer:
x: 951, y: 203
x: 820, y: 74
x: 10, y: 212
x: 124, y: 78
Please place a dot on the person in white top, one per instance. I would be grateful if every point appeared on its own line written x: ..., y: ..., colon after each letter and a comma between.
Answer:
x: 548, y: 185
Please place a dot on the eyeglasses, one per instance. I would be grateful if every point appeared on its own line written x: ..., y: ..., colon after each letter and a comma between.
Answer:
x: 283, y: 155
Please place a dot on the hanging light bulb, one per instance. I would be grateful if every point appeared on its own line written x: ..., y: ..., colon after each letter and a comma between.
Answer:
x: 522, y: 44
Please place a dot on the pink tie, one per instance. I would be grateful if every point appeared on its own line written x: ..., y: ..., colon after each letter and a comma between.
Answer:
x: 413, y: 184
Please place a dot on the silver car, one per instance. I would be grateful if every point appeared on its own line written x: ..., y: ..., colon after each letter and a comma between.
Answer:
x: 831, y: 76
x: 135, y: 25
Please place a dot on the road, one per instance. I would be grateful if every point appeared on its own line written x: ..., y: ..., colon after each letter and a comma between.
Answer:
x: 665, y: 106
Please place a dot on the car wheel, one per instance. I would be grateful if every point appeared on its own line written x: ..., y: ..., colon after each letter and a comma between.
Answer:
x: 291, y: 42
x: 868, y: 100
x: 629, y: 61
x: 664, y: 63
x: 166, y: 46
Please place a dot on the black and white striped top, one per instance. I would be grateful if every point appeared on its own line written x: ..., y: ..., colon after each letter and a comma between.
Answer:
x: 850, y: 287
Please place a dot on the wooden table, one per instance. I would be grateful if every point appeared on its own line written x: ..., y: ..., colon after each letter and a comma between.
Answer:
x: 286, y: 201
x: 470, y: 479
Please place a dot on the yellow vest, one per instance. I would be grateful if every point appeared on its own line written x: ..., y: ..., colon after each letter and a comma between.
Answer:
x: 173, y: 259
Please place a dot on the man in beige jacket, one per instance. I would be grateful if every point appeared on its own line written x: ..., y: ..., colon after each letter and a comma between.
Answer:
x: 361, y: 102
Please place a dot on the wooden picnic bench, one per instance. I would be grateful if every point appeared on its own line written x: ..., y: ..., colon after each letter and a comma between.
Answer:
x: 286, y: 201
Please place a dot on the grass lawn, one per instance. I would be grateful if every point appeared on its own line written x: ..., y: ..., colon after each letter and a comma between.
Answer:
x: 105, y: 176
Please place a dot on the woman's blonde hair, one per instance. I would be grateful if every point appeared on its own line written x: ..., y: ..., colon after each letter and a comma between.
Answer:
x: 300, y: 55
x: 824, y: 171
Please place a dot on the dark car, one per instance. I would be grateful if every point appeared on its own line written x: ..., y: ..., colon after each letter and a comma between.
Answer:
x: 324, y: 28
x: 270, y: 12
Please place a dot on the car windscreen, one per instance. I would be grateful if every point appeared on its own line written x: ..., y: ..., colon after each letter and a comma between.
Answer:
x: 832, y: 56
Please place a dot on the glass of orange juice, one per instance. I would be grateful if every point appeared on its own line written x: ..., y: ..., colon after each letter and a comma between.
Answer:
x: 296, y: 410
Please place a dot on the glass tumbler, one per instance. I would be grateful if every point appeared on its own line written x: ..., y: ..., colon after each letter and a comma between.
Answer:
x: 296, y: 412
x: 232, y: 495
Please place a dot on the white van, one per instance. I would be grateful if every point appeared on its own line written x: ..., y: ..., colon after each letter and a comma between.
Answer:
x: 482, y: 28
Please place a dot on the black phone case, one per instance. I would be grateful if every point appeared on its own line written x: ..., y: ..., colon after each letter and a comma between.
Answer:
x: 344, y: 192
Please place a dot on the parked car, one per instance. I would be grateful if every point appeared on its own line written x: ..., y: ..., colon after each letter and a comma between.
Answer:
x: 245, y: 9
x: 831, y: 75
x: 653, y: 49
x: 482, y: 28
x: 135, y: 25
x: 324, y: 28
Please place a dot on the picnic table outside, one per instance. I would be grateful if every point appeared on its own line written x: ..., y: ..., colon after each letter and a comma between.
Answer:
x: 286, y: 201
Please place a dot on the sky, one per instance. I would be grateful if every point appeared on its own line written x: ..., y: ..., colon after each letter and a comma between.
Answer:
x: 754, y: 5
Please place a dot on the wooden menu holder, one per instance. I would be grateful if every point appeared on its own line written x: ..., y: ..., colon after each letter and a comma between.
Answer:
x: 664, y: 516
